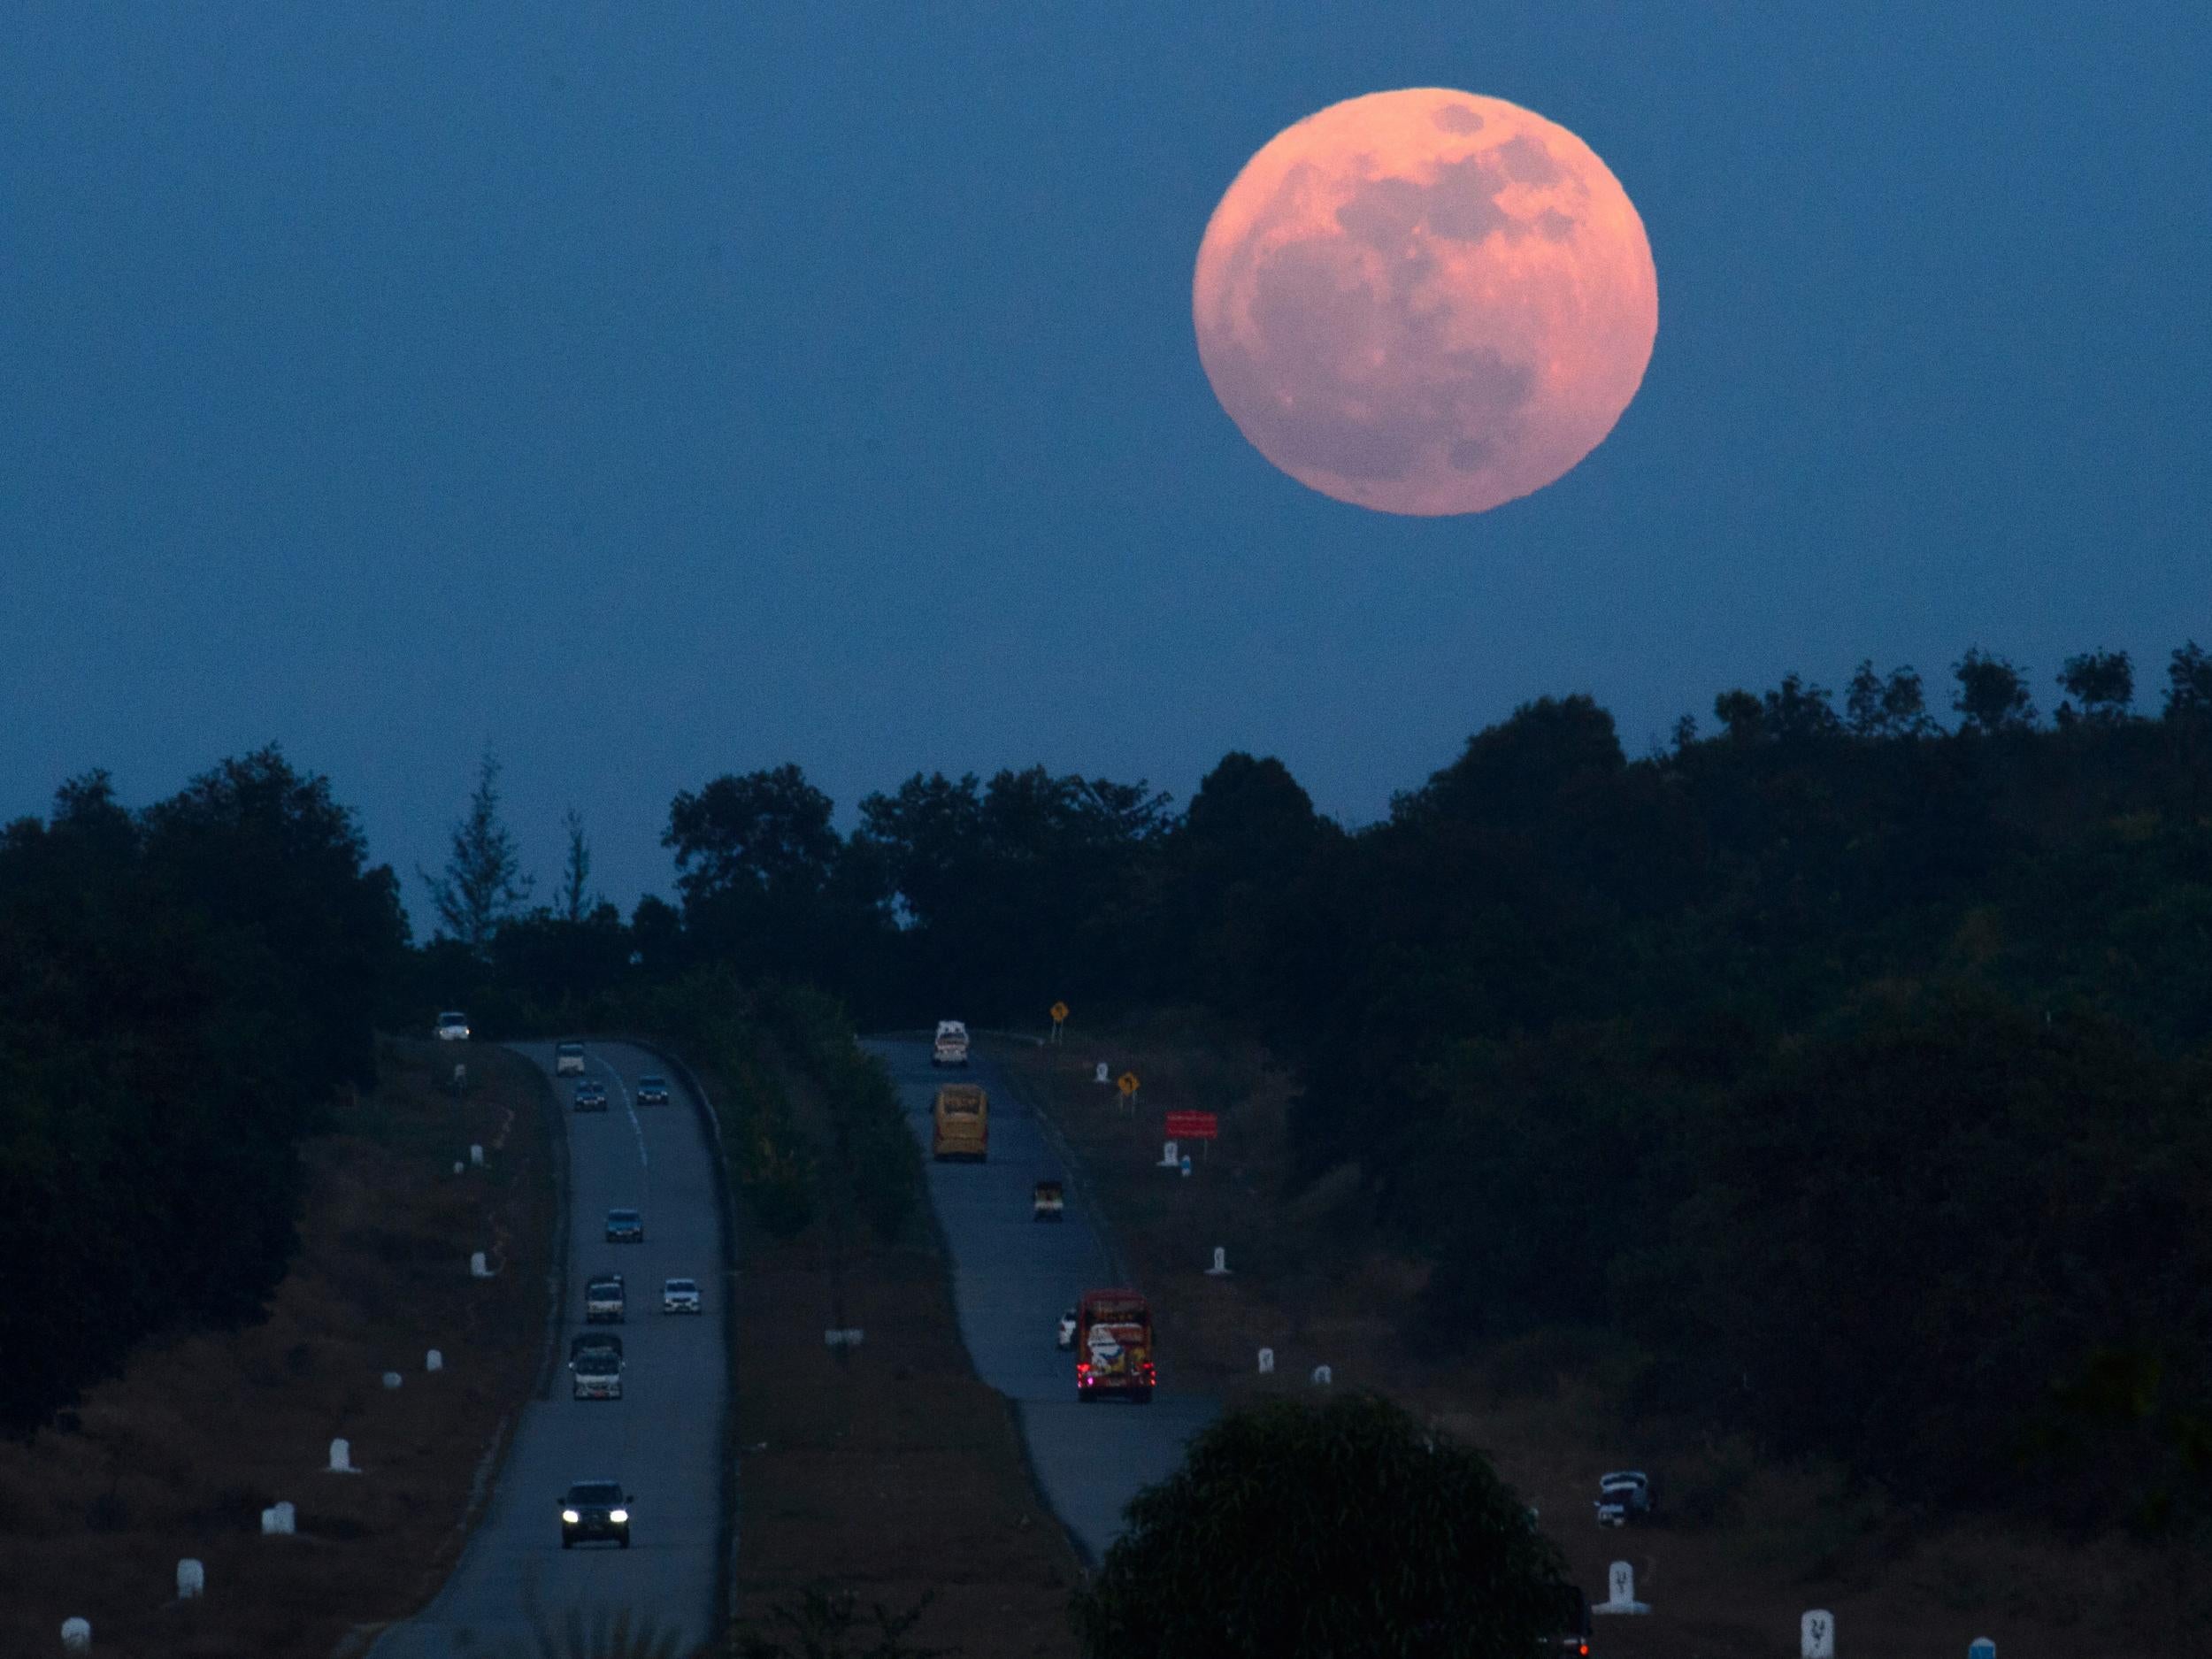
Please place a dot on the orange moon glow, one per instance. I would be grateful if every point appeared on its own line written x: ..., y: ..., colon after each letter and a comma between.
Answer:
x: 1425, y: 302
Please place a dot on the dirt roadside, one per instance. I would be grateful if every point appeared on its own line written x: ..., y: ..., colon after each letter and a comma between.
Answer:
x: 1749, y: 1545
x: 179, y: 1456
x: 888, y: 1471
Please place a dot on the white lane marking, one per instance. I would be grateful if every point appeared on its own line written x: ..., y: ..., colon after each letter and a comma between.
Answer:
x: 628, y: 1110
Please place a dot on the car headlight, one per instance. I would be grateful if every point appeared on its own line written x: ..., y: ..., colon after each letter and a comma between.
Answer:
x: 571, y: 1517
x: 620, y: 1517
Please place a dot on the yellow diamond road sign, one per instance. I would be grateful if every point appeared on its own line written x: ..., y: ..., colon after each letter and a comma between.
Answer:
x: 1059, y: 1012
x: 1126, y: 1082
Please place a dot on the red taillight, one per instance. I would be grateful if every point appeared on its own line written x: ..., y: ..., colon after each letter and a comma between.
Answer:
x: 1082, y: 1368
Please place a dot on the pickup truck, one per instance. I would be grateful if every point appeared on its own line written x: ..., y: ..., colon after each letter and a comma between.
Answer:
x: 603, y: 1300
x: 597, y: 1375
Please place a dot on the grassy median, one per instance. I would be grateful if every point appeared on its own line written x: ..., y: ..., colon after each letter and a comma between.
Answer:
x: 886, y: 1472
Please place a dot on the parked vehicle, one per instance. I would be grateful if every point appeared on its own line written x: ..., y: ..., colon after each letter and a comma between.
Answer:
x: 652, y: 1091
x: 680, y: 1295
x: 453, y: 1027
x: 595, y: 1510
x: 568, y: 1059
x: 1113, y: 1344
x: 1624, y: 1496
x: 1048, y: 1202
x: 951, y: 1045
x: 603, y: 1300
x: 960, y: 1124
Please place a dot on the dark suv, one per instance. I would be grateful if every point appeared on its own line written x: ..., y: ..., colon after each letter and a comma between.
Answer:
x: 591, y: 1095
x: 625, y: 1227
x: 652, y: 1091
x: 594, y: 1511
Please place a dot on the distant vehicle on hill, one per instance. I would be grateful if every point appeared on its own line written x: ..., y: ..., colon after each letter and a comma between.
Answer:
x: 597, y: 1375
x: 596, y: 1510
x: 603, y: 1301
x: 453, y: 1027
x: 951, y: 1046
x: 1113, y: 1347
x: 1625, y: 1495
x: 960, y: 1123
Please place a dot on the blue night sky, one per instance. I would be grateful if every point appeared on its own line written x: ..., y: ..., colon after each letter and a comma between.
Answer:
x: 651, y: 392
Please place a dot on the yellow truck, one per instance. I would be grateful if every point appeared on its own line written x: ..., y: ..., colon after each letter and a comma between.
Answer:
x: 961, y: 1123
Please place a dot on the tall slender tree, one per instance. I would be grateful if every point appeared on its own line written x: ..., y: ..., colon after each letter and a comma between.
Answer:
x: 483, y: 884
x: 576, y: 872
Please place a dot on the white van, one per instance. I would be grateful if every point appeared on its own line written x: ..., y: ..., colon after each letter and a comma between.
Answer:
x: 568, y: 1059
x: 951, y: 1047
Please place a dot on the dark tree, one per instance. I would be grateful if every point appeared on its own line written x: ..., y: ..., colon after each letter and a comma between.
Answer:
x: 576, y: 872
x: 759, y: 832
x: 1795, y: 712
x: 2189, y: 684
x: 1894, y: 707
x: 2101, y: 684
x: 1992, y: 695
x: 1296, y: 1531
x: 483, y: 884
x: 1741, y: 716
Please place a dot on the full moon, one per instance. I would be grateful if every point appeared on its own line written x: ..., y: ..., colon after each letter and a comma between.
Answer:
x: 1425, y: 302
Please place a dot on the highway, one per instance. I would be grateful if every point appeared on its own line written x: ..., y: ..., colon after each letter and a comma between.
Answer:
x: 662, y: 1440
x: 1012, y: 1277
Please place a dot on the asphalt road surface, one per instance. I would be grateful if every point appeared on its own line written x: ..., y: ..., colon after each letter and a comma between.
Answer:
x: 662, y: 1440
x: 1012, y: 1277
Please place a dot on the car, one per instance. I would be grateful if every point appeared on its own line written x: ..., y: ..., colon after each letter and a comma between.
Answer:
x: 568, y: 1059
x: 603, y: 1301
x: 597, y: 1375
x: 1624, y: 1495
x: 591, y: 1094
x: 453, y: 1027
x: 652, y: 1091
x: 595, y: 1511
x: 1047, y: 1200
x: 625, y: 1227
x: 588, y: 1341
x: 680, y: 1295
x: 1569, y: 1627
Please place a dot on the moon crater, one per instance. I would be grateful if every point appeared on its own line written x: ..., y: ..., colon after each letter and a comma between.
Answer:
x: 1425, y: 302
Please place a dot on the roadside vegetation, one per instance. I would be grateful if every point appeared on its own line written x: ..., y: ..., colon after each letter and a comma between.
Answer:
x: 177, y: 1456
x: 185, y: 991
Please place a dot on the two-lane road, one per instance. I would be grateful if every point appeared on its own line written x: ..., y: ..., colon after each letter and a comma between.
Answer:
x: 662, y: 1440
x: 1011, y: 1277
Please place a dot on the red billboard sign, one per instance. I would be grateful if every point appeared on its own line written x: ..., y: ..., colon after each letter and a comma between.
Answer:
x: 1192, y: 1126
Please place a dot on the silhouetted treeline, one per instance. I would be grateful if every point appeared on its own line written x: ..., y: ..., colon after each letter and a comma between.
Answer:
x: 1853, y: 1064
x: 182, y: 990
